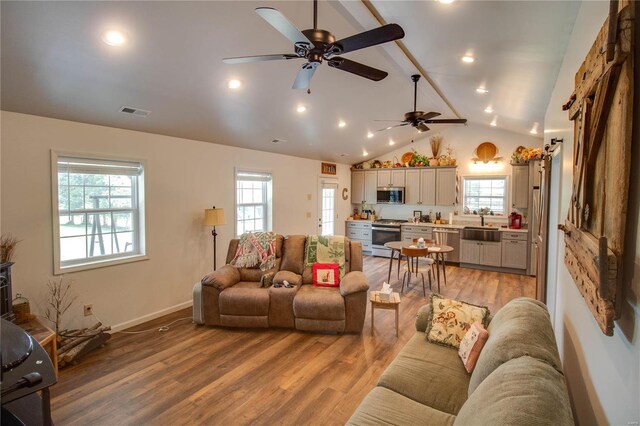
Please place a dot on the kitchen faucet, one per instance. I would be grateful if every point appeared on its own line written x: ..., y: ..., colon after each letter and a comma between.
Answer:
x: 481, y: 220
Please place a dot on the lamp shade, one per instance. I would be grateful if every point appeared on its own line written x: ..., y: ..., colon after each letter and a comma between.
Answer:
x: 214, y: 217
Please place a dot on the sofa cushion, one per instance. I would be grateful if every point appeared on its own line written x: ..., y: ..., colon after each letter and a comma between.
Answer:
x: 319, y: 303
x: 451, y: 319
x: 383, y: 406
x: 429, y: 374
x: 245, y: 299
x: 521, y: 327
x: 293, y: 254
x: 523, y: 391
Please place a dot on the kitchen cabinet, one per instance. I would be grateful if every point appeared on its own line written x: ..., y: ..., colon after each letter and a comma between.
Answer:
x: 445, y: 187
x: 370, y: 187
x: 420, y: 187
x: 357, y: 187
x: 409, y: 233
x: 364, y: 185
x: 520, y: 186
x: 487, y: 253
x: 391, y: 177
x: 360, y: 231
x: 514, y: 250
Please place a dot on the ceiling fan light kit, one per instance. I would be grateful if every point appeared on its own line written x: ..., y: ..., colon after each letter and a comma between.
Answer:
x: 318, y: 45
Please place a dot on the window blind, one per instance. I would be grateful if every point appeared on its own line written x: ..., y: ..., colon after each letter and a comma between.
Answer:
x: 253, y: 176
x: 101, y: 167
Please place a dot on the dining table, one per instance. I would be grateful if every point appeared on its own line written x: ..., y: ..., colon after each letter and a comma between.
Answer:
x: 437, y: 250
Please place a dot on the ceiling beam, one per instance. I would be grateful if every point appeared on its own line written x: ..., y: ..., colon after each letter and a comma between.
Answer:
x: 412, y: 59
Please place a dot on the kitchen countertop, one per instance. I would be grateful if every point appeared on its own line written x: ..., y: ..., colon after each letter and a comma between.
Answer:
x: 360, y: 220
x: 522, y: 230
x: 433, y: 225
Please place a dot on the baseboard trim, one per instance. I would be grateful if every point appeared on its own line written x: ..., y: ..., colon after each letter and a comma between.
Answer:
x: 151, y: 316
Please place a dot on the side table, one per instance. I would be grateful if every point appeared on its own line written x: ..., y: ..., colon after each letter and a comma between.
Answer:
x: 393, y: 303
x: 45, y: 336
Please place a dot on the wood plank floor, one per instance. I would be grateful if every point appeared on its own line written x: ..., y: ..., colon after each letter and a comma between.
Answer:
x: 203, y: 375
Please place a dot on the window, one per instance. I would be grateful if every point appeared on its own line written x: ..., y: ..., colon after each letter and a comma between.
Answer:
x: 253, y: 201
x: 481, y: 192
x: 98, y: 216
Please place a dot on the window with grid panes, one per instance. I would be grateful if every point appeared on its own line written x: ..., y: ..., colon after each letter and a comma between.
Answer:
x: 98, y: 211
x: 253, y: 201
x: 481, y: 192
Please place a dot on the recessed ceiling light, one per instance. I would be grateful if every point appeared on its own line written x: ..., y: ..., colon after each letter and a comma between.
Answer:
x: 344, y: 154
x: 488, y: 109
x: 234, y: 84
x: 445, y: 1
x: 482, y: 90
x: 390, y: 127
x: 301, y: 108
x: 341, y: 123
x: 369, y: 135
x: 113, y: 38
x: 391, y: 142
x: 494, y: 122
x: 468, y: 59
x: 534, y: 129
x: 365, y: 153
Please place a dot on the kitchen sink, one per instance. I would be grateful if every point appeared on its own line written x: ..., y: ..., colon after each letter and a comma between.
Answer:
x: 481, y: 234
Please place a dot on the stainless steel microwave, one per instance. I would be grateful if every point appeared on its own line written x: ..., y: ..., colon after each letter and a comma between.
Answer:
x: 390, y: 195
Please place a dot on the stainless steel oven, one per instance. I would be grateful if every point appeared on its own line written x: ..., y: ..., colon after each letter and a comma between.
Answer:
x: 384, y: 231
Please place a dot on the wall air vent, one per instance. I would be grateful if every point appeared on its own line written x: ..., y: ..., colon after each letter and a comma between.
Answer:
x: 135, y: 111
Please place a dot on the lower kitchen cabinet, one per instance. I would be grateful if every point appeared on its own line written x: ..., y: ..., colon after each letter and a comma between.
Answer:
x: 360, y: 231
x: 485, y: 253
x: 514, y: 254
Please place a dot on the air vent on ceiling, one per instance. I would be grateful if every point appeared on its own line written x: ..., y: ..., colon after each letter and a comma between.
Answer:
x: 278, y: 141
x: 135, y: 111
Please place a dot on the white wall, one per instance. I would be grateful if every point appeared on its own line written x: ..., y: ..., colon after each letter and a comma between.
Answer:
x: 183, y: 177
x: 464, y: 140
x: 602, y: 372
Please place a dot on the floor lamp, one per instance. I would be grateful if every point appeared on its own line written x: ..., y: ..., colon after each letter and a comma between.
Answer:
x: 214, y: 217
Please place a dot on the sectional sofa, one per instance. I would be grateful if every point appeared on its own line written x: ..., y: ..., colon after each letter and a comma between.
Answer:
x: 235, y: 297
x: 518, y: 378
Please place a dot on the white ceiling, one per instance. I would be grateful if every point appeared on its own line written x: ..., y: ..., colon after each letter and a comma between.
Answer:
x: 54, y: 64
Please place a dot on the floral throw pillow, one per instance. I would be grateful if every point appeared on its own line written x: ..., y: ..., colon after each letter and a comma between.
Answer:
x: 449, y: 320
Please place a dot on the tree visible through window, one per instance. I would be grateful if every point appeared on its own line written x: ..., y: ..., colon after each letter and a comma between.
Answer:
x: 485, y: 192
x: 98, y: 210
x: 253, y: 201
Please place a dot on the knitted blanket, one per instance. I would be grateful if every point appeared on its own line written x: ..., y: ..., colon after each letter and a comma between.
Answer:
x: 256, y: 248
x: 325, y: 249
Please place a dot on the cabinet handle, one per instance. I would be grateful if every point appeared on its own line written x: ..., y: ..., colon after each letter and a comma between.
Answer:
x: 514, y: 241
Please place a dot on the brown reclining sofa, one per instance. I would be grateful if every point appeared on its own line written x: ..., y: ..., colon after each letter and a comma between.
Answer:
x: 234, y: 297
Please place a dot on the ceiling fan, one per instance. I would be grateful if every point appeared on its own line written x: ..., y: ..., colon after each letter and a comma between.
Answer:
x: 316, y: 45
x: 420, y: 119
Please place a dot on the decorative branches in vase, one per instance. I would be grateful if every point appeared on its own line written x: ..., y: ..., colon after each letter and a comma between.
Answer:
x: 58, y: 301
x: 435, y: 141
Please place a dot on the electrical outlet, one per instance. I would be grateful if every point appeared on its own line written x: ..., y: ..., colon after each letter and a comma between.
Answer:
x: 88, y: 310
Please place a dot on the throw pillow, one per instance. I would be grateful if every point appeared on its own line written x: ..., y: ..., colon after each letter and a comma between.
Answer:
x: 326, y: 274
x: 449, y: 320
x: 267, y: 280
x: 471, y: 345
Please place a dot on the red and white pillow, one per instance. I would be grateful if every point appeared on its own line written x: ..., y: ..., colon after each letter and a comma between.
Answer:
x: 326, y: 274
x: 472, y: 344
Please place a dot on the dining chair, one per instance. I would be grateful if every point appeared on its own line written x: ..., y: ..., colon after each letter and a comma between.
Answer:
x: 413, y: 256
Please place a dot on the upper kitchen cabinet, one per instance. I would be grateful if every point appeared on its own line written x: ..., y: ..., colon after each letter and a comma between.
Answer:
x: 420, y: 187
x: 445, y: 186
x: 520, y: 186
x: 364, y: 185
x: 391, y: 177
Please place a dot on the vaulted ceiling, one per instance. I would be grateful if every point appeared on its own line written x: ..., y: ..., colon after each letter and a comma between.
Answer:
x: 55, y: 64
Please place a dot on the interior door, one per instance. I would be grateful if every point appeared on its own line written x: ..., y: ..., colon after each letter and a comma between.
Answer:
x: 541, y: 234
x: 327, y: 207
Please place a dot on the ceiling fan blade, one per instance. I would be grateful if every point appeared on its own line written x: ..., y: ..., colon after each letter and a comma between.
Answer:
x: 259, y: 58
x: 369, y: 38
x: 391, y: 127
x: 422, y: 127
x: 395, y: 121
x: 429, y: 115
x: 357, y: 68
x: 304, y: 75
x: 283, y: 25
x: 447, y: 121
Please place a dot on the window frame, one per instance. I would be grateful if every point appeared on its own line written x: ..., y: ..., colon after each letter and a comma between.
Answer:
x: 268, y: 194
x: 507, y: 192
x: 139, y: 218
